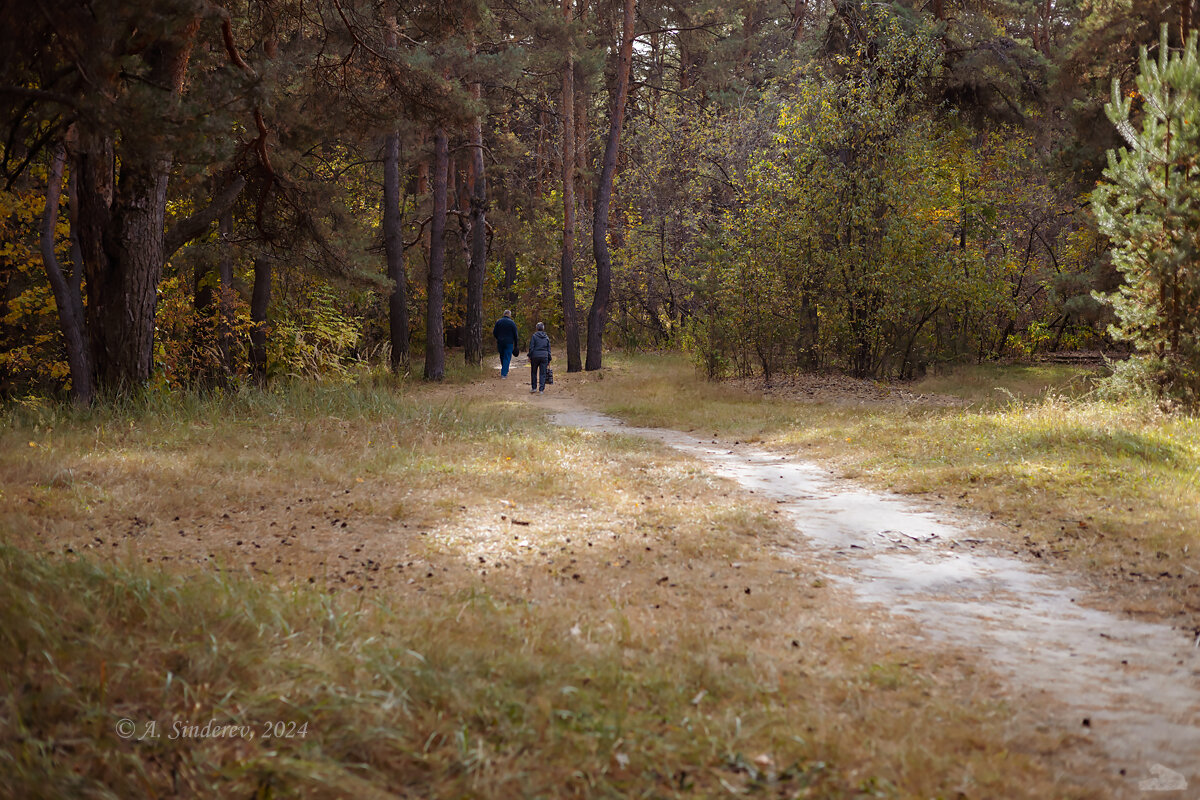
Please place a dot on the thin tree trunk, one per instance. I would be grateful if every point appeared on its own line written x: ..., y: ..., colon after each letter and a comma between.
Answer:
x: 598, y: 314
x: 435, y: 333
x: 225, y: 294
x: 583, y: 193
x: 393, y: 243
x: 473, y: 346
x: 567, y: 262
x: 540, y: 156
x: 260, y: 300
x: 66, y: 290
x: 204, y: 299
x: 510, y: 279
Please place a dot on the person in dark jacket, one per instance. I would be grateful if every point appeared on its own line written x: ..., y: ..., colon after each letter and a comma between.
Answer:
x: 505, y: 331
x: 539, y: 359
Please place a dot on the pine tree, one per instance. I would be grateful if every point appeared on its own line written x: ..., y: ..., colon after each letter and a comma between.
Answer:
x: 1149, y: 207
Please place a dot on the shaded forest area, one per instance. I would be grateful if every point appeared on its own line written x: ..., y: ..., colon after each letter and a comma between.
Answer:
x: 198, y: 193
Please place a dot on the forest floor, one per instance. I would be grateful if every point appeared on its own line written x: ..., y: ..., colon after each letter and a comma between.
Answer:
x: 461, y: 598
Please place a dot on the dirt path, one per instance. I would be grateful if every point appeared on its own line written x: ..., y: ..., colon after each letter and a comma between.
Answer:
x: 1132, y: 688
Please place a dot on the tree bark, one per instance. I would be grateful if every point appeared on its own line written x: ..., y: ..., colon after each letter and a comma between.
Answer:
x: 567, y: 262
x: 473, y: 349
x: 393, y: 243
x: 435, y: 333
x: 260, y: 300
x: 225, y: 294
x: 122, y: 229
x: 598, y: 314
x: 583, y: 194
x: 66, y: 290
x: 799, y: 9
x: 510, y: 279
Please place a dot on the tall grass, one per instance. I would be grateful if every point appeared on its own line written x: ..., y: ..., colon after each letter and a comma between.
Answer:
x: 559, y: 614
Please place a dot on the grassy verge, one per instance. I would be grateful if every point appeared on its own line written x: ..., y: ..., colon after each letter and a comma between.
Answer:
x: 1111, y: 490
x: 450, y: 598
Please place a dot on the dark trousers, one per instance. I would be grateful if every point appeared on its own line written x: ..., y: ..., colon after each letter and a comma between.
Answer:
x: 537, y: 373
x: 506, y: 351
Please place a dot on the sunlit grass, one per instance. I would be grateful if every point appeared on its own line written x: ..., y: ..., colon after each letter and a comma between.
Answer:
x: 459, y: 599
x: 1113, y: 488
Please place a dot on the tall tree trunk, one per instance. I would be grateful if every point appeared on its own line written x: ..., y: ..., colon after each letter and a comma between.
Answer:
x: 799, y: 8
x: 435, y: 333
x: 510, y: 279
x: 122, y: 230
x: 393, y: 244
x: 567, y: 263
x: 583, y: 194
x: 598, y: 314
x: 540, y: 154
x: 260, y: 300
x: 393, y: 231
x: 225, y: 294
x: 125, y: 334
x: 211, y: 282
x: 66, y: 289
x: 204, y: 299
x: 473, y: 346
x: 121, y: 238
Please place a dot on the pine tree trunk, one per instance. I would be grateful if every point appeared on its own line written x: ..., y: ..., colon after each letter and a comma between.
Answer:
x: 567, y: 262
x: 510, y: 279
x: 598, y: 315
x: 66, y: 290
x: 121, y: 321
x: 393, y: 243
x: 435, y: 334
x: 473, y: 349
x: 260, y: 301
x: 798, y: 14
x: 583, y: 194
x: 226, y: 294
x: 122, y: 227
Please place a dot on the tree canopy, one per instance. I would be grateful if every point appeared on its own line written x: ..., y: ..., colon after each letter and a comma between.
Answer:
x: 199, y: 192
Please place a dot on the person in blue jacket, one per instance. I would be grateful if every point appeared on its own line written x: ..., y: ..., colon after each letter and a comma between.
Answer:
x: 539, y: 359
x: 505, y: 331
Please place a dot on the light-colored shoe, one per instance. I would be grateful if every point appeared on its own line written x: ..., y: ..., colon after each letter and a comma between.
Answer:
x: 541, y: 391
x: 533, y: 391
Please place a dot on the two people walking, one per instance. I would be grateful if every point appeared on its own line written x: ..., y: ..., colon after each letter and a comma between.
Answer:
x: 506, y: 335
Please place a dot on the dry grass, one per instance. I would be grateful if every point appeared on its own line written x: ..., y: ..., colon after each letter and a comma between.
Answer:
x: 458, y: 600
x: 1109, y: 490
